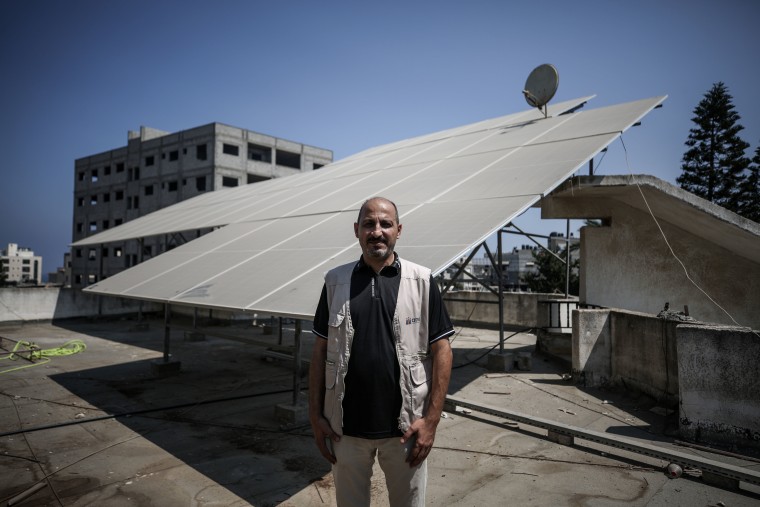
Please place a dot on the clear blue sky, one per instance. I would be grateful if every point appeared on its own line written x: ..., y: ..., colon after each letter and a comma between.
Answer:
x: 77, y: 75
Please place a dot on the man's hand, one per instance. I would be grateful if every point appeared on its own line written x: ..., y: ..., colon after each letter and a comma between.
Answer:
x: 424, y: 431
x: 323, y: 431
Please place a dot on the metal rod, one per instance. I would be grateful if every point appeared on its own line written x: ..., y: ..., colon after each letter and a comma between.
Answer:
x: 296, y: 363
x: 464, y: 265
x: 672, y: 456
x: 567, y: 260
x: 167, y: 331
x: 500, y: 271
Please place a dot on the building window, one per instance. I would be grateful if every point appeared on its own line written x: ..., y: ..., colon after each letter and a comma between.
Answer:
x: 117, y: 221
x: 117, y: 251
x: 106, y: 170
x: 80, y: 226
x: 107, y: 197
x: 81, y: 176
x: 200, y: 152
x: 259, y: 152
x: 173, y: 155
x: 133, y: 202
x: 93, y: 227
x: 120, y: 167
x: 173, y: 186
x: 317, y: 166
x: 149, y: 161
x: 92, y: 254
x: 93, y: 200
x: 80, y: 202
x: 148, y: 189
x: 104, y: 252
x: 228, y: 181
x: 94, y: 176
x: 119, y: 195
x: 230, y: 149
x: 78, y: 279
x: 200, y: 183
x: 79, y: 253
x: 26, y: 262
x: 92, y: 279
x: 252, y: 178
x: 105, y: 224
x: 288, y: 159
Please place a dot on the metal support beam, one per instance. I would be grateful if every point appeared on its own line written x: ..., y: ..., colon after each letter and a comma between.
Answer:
x: 500, y: 275
x: 567, y: 260
x: 167, y: 331
x: 296, y: 363
x: 669, y: 455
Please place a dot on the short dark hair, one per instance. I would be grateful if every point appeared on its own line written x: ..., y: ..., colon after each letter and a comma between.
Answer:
x: 377, y: 197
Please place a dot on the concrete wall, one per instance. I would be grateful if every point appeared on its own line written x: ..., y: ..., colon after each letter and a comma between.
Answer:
x: 628, y: 349
x: 481, y: 309
x: 719, y: 383
x: 43, y: 303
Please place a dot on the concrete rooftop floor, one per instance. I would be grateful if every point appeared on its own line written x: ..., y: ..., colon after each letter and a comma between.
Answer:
x: 234, y: 452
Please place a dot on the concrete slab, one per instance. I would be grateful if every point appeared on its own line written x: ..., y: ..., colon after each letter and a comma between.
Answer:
x: 105, y: 431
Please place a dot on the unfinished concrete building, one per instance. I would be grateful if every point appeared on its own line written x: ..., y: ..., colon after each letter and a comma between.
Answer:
x: 157, y: 169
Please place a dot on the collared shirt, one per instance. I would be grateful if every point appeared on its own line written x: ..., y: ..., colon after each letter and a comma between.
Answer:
x: 372, y: 399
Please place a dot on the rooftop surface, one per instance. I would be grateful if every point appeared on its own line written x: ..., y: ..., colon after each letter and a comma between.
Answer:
x: 101, y: 429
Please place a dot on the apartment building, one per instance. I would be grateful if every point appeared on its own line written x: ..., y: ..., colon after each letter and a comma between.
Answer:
x: 157, y: 169
x: 20, y: 265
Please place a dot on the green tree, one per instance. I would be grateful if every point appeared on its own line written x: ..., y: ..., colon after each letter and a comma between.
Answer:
x: 550, y: 277
x: 749, y: 205
x: 714, y: 165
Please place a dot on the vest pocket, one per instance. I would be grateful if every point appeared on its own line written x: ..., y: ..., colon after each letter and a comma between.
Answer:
x: 420, y: 372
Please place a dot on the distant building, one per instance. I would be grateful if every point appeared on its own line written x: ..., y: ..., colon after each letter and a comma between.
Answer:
x: 157, y: 169
x: 20, y: 265
x: 62, y: 275
x: 515, y: 265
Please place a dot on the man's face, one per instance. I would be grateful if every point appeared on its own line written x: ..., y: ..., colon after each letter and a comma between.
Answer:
x: 378, y: 230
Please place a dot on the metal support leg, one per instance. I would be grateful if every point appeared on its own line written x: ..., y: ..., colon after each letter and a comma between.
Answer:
x: 501, y: 294
x: 297, y: 363
x: 167, y: 331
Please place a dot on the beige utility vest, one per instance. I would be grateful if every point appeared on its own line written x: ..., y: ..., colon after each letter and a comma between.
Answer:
x: 410, y: 331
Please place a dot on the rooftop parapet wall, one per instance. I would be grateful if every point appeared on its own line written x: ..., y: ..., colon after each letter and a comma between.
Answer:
x: 626, y: 349
x: 719, y: 385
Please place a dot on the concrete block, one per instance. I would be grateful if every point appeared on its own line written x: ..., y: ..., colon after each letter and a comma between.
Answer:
x: 291, y: 415
x: 500, y: 362
x: 560, y: 438
x: 524, y: 361
x: 161, y: 368
x: 194, y: 336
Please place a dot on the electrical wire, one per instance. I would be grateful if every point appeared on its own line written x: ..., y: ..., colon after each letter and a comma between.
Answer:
x: 672, y: 252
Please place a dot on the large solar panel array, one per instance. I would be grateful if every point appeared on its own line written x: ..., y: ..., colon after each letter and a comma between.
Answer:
x: 453, y: 188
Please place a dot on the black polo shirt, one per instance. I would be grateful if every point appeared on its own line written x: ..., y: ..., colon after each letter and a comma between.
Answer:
x: 372, y: 400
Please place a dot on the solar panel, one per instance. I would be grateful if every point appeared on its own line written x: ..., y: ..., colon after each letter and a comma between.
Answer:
x: 453, y: 188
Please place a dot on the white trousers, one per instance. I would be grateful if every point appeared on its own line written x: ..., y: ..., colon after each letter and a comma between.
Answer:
x: 353, y: 472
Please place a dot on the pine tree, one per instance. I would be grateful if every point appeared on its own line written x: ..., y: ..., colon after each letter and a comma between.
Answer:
x: 714, y: 165
x: 749, y: 205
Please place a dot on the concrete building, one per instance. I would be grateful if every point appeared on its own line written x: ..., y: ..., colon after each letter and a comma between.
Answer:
x: 653, y: 233
x: 157, y: 169
x: 20, y: 265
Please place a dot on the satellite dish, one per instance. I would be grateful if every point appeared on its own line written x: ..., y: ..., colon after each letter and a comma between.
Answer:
x: 541, y: 86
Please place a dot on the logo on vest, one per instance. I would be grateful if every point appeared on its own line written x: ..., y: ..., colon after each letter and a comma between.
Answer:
x: 412, y: 320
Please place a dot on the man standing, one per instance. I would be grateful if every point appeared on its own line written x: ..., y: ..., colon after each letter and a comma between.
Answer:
x: 380, y: 367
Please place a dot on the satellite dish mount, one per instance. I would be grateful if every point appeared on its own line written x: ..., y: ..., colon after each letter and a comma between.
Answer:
x: 541, y: 86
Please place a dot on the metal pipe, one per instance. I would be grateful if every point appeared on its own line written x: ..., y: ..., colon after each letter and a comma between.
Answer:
x: 567, y: 260
x: 500, y: 271
x: 296, y: 363
x: 167, y: 331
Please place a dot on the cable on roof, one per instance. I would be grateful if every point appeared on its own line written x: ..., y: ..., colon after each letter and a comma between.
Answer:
x: 37, y: 356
